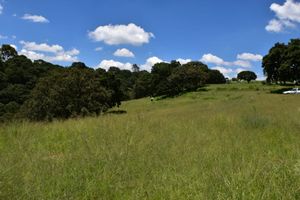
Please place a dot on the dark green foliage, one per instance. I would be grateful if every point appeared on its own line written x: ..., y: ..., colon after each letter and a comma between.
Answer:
x: 7, y: 52
x: 114, y: 84
x: 170, y: 79
x: 142, y: 86
x: 39, y: 90
x: 215, y: 77
x: 3, y: 80
x: 76, y: 92
x: 282, y: 63
x: 247, y: 76
x: 293, y: 59
x: 188, y: 77
x: 79, y: 65
x: 160, y: 73
x: 14, y: 92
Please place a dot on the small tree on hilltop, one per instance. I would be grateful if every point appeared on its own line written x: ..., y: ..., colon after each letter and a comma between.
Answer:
x: 247, y: 76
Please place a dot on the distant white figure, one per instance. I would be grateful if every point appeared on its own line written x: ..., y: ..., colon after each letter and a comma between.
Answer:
x: 152, y: 98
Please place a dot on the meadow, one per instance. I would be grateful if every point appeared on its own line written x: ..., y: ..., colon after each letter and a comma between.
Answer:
x: 235, y: 141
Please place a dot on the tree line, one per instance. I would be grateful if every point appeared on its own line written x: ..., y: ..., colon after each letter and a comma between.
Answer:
x: 282, y: 63
x: 39, y: 90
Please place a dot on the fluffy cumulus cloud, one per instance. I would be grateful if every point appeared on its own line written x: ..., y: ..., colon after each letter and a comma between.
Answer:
x: 124, y: 53
x: 274, y: 26
x: 287, y: 15
x: 33, y: 55
x: 50, y: 53
x: 35, y: 18
x: 244, y: 62
x: 241, y: 63
x: 183, y: 61
x: 32, y: 46
x: 212, y: 59
x: 229, y: 72
x: 250, y: 57
x: 121, y: 34
x: 1, y: 9
x: 106, y: 64
x: 150, y: 62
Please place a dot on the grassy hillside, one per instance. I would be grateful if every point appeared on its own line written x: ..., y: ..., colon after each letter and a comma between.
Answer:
x: 235, y: 141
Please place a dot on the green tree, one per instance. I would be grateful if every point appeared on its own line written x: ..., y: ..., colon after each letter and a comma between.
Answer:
x: 273, y: 60
x: 7, y: 52
x: 292, y: 60
x: 75, y: 92
x: 247, y: 76
x: 188, y: 77
x: 160, y: 73
x: 215, y: 77
x: 142, y: 86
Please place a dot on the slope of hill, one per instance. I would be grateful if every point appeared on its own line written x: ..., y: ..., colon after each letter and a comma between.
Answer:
x: 234, y: 141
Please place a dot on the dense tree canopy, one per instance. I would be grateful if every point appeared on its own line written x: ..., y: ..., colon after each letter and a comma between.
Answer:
x: 75, y: 92
x: 39, y: 90
x: 188, y: 77
x: 7, y: 52
x: 282, y: 63
x: 216, y: 77
x: 247, y: 76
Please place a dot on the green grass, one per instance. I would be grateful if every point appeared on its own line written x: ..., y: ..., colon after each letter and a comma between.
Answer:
x: 235, y: 141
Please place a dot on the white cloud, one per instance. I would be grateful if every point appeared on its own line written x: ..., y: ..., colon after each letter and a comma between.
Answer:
x: 286, y: 16
x: 32, y: 46
x: 250, y: 56
x: 229, y: 72
x: 35, y: 18
x: 225, y: 71
x: 290, y: 10
x: 210, y: 58
x: 33, y: 55
x: 73, y: 52
x: 51, y: 53
x: 241, y: 63
x: 279, y: 25
x: 99, y: 49
x: 1, y: 9
x: 183, y: 61
x: 61, y: 57
x: 106, y: 64
x: 150, y: 62
x: 275, y: 26
x: 121, y: 34
x: 124, y: 53
x: 230, y: 69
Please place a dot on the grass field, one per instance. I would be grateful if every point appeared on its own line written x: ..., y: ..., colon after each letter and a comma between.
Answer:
x: 234, y: 141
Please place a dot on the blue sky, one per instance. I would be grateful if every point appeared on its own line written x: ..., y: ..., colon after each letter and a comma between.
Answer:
x: 227, y: 35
